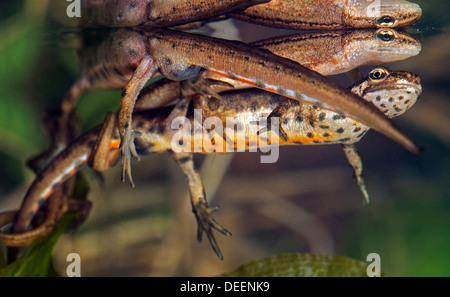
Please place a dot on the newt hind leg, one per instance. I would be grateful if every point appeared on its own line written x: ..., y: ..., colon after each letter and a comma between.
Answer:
x: 199, y: 204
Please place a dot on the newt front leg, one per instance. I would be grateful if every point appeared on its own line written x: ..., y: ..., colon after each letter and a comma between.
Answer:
x: 143, y: 73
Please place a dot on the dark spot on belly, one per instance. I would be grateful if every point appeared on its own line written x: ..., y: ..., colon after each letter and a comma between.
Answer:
x: 338, y: 117
x: 321, y: 116
x: 325, y: 127
x: 340, y: 130
x: 357, y: 129
x: 310, y: 135
x: 325, y: 134
x: 344, y: 139
x: 160, y: 128
x: 298, y: 119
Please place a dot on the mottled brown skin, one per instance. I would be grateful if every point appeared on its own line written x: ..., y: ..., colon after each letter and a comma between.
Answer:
x: 334, y: 52
x: 133, y: 57
x: 242, y: 62
x: 156, y: 13
x: 52, y: 176
x: 332, y: 14
x: 303, y: 123
x: 57, y: 205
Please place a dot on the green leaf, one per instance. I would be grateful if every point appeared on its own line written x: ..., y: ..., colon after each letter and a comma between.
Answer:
x: 302, y: 265
x: 37, y: 261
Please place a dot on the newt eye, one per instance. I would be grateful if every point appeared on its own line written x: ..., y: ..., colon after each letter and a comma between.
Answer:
x: 386, y: 35
x: 386, y: 21
x: 378, y: 74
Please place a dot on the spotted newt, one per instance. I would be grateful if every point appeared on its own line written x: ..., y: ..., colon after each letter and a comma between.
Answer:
x: 391, y: 91
x: 180, y: 56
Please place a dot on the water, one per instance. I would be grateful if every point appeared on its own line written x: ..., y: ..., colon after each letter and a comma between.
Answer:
x: 305, y: 202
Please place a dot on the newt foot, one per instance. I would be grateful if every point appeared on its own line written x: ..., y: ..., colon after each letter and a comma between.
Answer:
x: 279, y: 131
x: 128, y: 149
x: 206, y: 224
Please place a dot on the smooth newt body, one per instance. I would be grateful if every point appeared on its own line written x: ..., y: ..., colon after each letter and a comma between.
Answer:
x: 239, y: 61
x: 180, y: 56
x: 332, y: 14
x: 335, y: 52
x: 393, y: 92
x: 156, y: 13
x: 289, y: 14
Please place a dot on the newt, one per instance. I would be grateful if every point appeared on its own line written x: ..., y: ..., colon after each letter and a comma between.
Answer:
x: 288, y: 14
x: 132, y: 61
x: 156, y: 13
x: 332, y: 14
x: 339, y: 51
x: 57, y: 205
x: 391, y: 91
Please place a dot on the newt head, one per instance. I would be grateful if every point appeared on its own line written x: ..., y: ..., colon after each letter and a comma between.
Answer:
x: 389, y: 45
x: 393, y: 92
x: 381, y: 13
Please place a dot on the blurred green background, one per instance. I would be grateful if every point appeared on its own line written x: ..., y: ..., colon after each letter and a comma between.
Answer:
x: 306, y: 202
